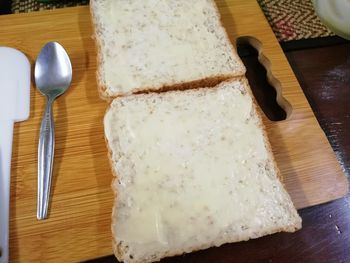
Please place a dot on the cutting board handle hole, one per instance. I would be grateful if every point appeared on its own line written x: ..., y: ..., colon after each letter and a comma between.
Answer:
x: 266, y: 88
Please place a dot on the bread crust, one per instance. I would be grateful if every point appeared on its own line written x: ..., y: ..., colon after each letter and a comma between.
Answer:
x: 200, y: 83
x: 259, y: 113
x: 233, y: 49
x: 116, y: 252
x: 100, y: 86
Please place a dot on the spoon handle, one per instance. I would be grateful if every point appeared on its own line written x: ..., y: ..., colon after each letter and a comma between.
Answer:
x: 45, y: 160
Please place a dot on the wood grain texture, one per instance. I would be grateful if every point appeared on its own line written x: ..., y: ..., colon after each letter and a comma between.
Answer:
x: 79, y: 223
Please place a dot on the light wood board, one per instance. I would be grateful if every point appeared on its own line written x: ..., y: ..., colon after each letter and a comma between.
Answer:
x: 79, y: 223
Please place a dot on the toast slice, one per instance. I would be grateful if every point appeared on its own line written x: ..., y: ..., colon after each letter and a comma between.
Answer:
x: 193, y: 169
x: 152, y: 45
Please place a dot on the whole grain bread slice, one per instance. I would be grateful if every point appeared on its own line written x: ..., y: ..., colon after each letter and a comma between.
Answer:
x: 155, y: 45
x: 193, y: 169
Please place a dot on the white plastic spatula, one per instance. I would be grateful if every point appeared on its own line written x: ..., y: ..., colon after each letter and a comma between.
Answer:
x: 14, y: 107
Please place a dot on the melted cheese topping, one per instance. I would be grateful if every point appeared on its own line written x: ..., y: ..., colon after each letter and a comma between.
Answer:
x: 190, y: 173
x: 152, y: 44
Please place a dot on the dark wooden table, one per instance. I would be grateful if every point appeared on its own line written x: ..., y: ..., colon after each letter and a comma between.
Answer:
x: 324, y: 75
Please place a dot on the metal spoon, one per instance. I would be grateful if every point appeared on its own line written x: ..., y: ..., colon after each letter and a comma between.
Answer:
x: 53, y: 75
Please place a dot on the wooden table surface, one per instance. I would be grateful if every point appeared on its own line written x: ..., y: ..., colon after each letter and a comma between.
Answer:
x: 324, y: 75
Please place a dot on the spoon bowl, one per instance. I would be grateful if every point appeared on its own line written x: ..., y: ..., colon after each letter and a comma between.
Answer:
x: 53, y: 70
x: 53, y: 75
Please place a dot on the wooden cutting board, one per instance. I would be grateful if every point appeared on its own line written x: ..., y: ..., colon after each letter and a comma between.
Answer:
x: 79, y: 223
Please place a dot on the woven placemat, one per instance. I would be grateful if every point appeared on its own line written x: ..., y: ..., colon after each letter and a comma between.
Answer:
x: 290, y: 20
x: 293, y: 20
x: 26, y: 6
